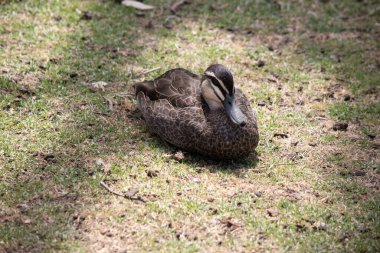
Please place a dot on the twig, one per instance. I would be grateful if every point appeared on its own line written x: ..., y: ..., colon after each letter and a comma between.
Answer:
x: 110, y: 190
x: 147, y: 72
x: 73, y: 95
x: 139, y: 198
x: 278, y: 164
x: 125, y: 95
x: 174, y: 7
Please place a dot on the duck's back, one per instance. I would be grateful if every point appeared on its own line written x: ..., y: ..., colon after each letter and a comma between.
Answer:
x: 179, y: 86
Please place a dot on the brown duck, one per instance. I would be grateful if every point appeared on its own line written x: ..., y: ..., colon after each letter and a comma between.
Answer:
x: 202, y: 114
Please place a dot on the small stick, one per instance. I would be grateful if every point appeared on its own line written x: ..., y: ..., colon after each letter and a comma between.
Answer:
x: 73, y: 95
x: 125, y: 94
x: 139, y: 198
x: 278, y: 164
x: 110, y: 190
x: 148, y: 71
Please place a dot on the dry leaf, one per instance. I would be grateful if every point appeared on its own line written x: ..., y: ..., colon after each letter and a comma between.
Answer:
x: 137, y: 5
x: 98, y: 86
x: 152, y: 173
x: 272, y: 213
x: 110, y: 103
x: 179, y: 156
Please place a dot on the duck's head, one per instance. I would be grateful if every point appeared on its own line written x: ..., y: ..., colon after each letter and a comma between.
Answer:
x: 218, y: 90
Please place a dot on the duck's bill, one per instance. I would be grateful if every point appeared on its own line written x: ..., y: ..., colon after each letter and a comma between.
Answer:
x: 233, y: 111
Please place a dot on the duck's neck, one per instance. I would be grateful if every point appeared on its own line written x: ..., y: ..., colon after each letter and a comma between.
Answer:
x: 209, y: 96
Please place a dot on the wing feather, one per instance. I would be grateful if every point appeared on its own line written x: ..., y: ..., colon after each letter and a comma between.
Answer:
x: 178, y: 86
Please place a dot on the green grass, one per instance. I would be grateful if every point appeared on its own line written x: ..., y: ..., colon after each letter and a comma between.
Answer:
x: 346, y: 111
x: 59, y: 139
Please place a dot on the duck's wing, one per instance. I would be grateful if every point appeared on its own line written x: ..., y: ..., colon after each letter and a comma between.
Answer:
x: 178, y: 86
x: 171, y: 123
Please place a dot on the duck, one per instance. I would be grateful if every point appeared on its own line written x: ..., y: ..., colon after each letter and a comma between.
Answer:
x: 204, y: 114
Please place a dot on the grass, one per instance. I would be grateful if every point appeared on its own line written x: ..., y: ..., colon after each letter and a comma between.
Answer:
x: 314, y: 190
x: 346, y: 111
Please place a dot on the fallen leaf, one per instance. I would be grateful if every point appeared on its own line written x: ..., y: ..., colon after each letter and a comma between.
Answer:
x: 142, y: 199
x: 340, y: 126
x: 261, y: 103
x: 169, y: 23
x: 371, y: 136
x: 152, y: 173
x: 98, y: 86
x: 57, y: 18
x: 280, y: 135
x: 230, y: 225
x: 16, y: 217
x: 260, y: 63
x: 272, y: 213
x: 375, y: 145
x: 99, y: 162
x: 346, y: 97
x: 371, y: 90
x: 320, y: 226
x: 26, y: 221
x: 359, y: 173
x: 149, y: 25
x: 295, y: 143
x: 110, y: 103
x: 342, y: 237
x: 25, y: 90
x: 86, y: 15
x: 363, y: 229
x: 23, y: 207
x: 179, y: 156
x: 137, y: 5
x: 4, y: 70
x: 50, y: 158
x: 301, y: 227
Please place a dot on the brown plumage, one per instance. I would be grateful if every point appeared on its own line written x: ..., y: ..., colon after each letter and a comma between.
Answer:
x: 180, y: 111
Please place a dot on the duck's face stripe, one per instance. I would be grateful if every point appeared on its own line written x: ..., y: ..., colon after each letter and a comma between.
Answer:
x: 218, y: 92
x: 216, y: 81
